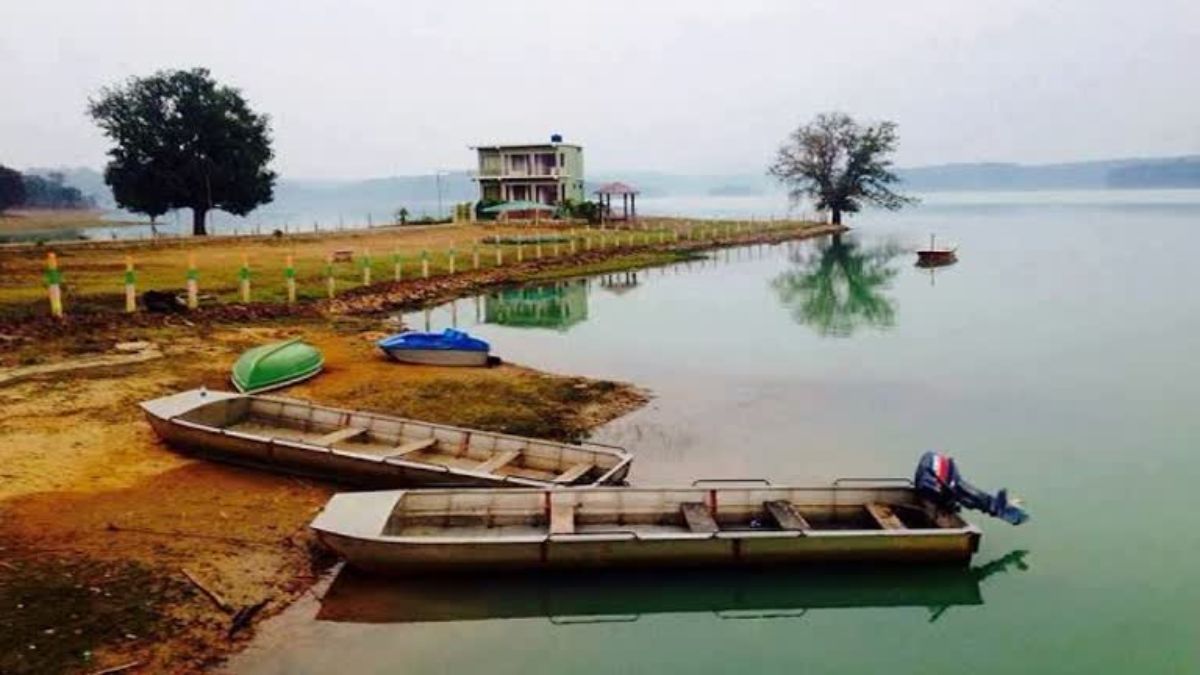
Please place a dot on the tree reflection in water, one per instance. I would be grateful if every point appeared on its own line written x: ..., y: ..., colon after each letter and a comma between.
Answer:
x: 838, y: 287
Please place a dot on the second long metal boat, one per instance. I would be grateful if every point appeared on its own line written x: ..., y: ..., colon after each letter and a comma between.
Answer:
x: 399, y: 531
x: 370, y: 449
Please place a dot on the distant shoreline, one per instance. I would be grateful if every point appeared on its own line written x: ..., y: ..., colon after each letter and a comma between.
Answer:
x: 34, y: 221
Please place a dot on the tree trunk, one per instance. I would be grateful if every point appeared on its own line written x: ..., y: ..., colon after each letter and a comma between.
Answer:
x: 837, y: 216
x: 198, y: 228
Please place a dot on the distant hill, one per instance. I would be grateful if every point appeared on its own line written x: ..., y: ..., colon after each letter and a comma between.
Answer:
x: 1169, y: 172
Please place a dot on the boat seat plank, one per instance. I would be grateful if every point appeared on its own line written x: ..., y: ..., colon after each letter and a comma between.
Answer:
x: 497, y: 461
x: 573, y: 472
x: 884, y: 515
x: 413, y: 446
x: 786, y: 516
x: 562, y: 519
x: 698, y: 517
x: 339, y: 436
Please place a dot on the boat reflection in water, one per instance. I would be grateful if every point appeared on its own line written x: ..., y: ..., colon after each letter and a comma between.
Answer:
x: 558, y: 305
x: 613, y: 596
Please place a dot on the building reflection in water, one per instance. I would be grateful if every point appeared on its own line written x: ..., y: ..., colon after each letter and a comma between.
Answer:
x: 558, y: 305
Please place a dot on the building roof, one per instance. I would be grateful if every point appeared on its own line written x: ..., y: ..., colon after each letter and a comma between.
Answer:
x: 616, y: 188
x: 515, y: 146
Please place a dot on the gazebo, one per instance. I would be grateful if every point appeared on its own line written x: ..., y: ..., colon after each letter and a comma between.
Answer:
x: 604, y: 195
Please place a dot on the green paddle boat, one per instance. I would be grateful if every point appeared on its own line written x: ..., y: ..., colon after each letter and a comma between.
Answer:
x: 276, y: 365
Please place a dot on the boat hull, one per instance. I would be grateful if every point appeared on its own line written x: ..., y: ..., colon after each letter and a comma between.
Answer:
x: 439, y: 357
x: 424, y: 531
x: 624, y: 553
x: 274, y: 366
x: 936, y: 258
x: 198, y: 422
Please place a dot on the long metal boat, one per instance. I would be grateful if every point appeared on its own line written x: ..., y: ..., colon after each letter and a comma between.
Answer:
x: 445, y: 530
x: 370, y: 449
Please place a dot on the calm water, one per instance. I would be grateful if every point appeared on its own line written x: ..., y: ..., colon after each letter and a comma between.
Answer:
x: 1057, y: 358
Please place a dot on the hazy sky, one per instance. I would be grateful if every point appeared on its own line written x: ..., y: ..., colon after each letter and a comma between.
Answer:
x: 359, y: 89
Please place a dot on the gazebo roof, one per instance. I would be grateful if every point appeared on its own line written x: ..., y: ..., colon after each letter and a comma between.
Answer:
x: 616, y: 188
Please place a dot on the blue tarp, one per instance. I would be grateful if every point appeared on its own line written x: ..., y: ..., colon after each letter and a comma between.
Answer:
x: 448, y: 339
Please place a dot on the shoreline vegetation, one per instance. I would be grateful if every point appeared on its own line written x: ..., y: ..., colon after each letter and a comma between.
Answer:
x: 30, y: 225
x: 119, y: 550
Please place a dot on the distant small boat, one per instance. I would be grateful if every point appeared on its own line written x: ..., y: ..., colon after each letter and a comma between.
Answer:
x: 936, y: 257
x: 369, y: 449
x: 276, y: 365
x: 448, y: 348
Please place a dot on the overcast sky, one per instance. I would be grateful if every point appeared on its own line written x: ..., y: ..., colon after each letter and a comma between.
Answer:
x: 359, y: 89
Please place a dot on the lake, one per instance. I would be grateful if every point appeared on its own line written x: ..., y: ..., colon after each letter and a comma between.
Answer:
x: 1056, y: 359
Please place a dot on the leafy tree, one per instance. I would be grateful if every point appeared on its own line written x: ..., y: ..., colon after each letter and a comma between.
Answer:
x: 12, y: 188
x: 840, y: 165
x: 402, y: 215
x: 184, y: 141
x: 837, y: 289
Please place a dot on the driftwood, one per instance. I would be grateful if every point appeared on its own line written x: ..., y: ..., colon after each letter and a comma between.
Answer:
x: 212, y: 595
x: 117, y: 669
x: 245, y: 615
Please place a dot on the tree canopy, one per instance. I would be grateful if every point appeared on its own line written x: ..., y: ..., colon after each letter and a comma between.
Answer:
x: 12, y: 188
x: 840, y: 165
x: 52, y: 192
x: 184, y: 141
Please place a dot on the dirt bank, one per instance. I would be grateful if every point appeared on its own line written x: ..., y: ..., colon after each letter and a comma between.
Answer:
x: 99, y: 521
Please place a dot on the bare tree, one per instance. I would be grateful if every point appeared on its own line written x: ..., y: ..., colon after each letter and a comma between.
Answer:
x: 840, y: 165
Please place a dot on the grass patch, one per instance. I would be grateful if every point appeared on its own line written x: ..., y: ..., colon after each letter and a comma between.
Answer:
x: 524, y: 403
x: 55, y: 613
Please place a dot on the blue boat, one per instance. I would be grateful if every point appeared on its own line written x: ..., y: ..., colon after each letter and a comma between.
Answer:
x: 448, y: 348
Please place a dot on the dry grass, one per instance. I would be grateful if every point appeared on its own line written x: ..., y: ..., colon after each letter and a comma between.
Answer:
x: 93, y: 272
x: 36, y: 220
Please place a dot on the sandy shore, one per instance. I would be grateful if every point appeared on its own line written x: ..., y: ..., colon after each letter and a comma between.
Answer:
x: 99, y: 520
x: 114, y: 549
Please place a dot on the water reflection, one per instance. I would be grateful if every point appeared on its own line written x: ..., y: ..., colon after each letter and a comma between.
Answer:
x: 838, y: 286
x: 620, y: 283
x: 558, y: 305
x: 594, y: 597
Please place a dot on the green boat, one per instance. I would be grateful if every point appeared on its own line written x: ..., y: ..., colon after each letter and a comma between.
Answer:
x: 276, y: 365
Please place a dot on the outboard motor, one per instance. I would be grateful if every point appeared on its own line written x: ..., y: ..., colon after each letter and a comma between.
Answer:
x: 937, y: 479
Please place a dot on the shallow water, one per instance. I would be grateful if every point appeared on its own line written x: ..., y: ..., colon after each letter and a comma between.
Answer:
x: 1056, y: 358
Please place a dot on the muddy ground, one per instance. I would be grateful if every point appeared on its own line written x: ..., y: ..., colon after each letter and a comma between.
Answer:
x: 117, y: 551
x: 100, y: 524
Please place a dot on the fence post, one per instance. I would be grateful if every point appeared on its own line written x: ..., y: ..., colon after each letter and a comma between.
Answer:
x: 574, y: 237
x: 397, y: 272
x: 366, y: 267
x: 330, y: 284
x: 520, y: 249
x: 537, y: 248
x: 54, y: 285
x: 290, y: 273
x: 450, y: 266
x: 499, y: 254
x: 244, y: 279
x: 475, y: 254
x: 130, y: 286
x: 193, y: 283
x: 424, y: 264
